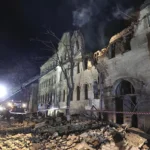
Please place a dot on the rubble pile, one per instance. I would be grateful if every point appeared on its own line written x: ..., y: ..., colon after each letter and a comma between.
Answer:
x: 104, y: 138
x: 15, y: 142
x: 15, y: 127
x: 79, y: 136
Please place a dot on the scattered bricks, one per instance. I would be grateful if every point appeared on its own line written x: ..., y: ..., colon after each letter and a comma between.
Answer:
x: 135, y: 140
x: 101, y: 138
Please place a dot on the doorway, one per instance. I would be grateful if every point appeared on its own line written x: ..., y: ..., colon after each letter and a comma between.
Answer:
x: 125, y: 89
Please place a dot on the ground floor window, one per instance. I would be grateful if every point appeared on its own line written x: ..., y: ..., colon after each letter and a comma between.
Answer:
x: 78, y: 93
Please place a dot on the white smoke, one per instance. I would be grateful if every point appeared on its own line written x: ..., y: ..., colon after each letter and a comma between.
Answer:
x: 89, y: 9
x: 82, y: 16
x: 101, y: 35
x: 120, y: 13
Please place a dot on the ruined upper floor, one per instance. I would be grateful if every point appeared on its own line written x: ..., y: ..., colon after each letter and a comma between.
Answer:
x: 131, y: 38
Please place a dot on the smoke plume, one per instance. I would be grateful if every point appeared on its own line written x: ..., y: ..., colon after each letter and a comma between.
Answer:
x: 94, y: 17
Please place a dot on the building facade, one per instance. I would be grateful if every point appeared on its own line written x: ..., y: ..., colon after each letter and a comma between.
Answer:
x: 126, y: 63
x: 53, y: 87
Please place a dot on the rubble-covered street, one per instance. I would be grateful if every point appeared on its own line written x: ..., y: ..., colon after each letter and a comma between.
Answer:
x: 79, y: 135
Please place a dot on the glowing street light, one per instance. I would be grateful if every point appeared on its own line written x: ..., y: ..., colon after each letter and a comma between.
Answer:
x: 24, y: 105
x: 3, y: 91
x: 9, y: 104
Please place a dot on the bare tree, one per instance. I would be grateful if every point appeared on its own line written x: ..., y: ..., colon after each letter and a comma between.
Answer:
x: 69, y: 60
x: 101, y: 67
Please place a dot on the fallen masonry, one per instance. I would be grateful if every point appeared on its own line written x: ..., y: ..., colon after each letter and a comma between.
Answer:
x: 79, y: 136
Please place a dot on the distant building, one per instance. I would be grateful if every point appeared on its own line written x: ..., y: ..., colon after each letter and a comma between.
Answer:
x: 52, y: 86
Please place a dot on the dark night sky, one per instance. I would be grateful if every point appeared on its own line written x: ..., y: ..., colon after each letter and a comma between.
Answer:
x: 22, y: 20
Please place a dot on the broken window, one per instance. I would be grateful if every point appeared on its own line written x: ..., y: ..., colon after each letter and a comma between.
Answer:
x: 64, y: 96
x: 71, y: 96
x: 61, y: 59
x: 61, y: 76
x: 47, y: 99
x: 59, y: 96
x: 85, y: 63
x: 54, y: 96
x: 86, y: 91
x: 148, y: 18
x: 111, y: 52
x: 43, y: 98
x: 126, y: 43
x: 52, y: 81
x: 49, y: 81
x: 148, y: 39
x: 95, y: 89
x: 65, y: 56
x: 78, y: 93
x: 77, y: 45
x: 53, y: 64
x: 51, y: 97
x: 69, y: 70
x: 78, y: 67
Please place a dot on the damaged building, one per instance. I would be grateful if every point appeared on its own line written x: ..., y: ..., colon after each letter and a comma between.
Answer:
x: 126, y: 65
x: 125, y: 68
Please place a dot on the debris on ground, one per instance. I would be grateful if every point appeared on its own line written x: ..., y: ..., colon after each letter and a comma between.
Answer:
x: 78, y: 135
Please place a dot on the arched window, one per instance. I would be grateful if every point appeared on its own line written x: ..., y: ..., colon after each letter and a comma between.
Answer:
x: 78, y: 93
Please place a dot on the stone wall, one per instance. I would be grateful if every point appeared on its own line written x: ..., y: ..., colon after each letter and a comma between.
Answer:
x: 132, y: 66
